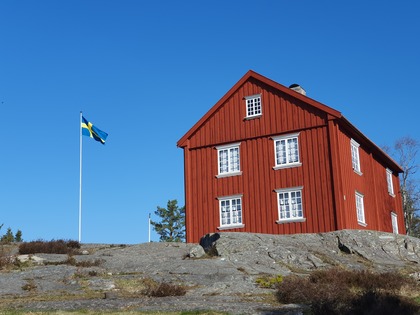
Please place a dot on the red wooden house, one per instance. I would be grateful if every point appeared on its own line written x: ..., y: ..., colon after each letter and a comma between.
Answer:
x: 268, y: 159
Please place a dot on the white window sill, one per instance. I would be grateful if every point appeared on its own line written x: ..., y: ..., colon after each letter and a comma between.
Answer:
x: 253, y: 117
x: 291, y: 220
x: 358, y: 172
x: 229, y: 227
x: 362, y: 223
x: 278, y: 167
x: 229, y: 174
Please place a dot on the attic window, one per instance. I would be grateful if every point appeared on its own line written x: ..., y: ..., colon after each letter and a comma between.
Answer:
x: 355, y: 159
x: 389, y: 182
x: 253, y: 106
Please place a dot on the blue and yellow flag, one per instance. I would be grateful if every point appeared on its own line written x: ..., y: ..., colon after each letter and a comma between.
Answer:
x: 91, y: 131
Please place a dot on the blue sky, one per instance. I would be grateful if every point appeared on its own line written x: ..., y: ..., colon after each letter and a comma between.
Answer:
x: 146, y: 71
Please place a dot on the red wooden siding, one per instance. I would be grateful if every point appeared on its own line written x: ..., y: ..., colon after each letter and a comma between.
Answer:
x: 372, y: 184
x: 326, y: 174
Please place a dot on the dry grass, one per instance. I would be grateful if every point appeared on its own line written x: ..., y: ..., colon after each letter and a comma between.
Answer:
x: 338, y: 291
x: 148, y: 287
x: 6, y: 259
x: 49, y: 247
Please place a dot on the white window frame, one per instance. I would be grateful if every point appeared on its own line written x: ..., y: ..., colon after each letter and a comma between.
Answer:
x: 360, y: 209
x: 232, y: 218
x: 290, y: 215
x: 287, y: 148
x: 389, y: 182
x: 229, y: 167
x: 253, y: 105
x: 394, y: 222
x: 355, y: 156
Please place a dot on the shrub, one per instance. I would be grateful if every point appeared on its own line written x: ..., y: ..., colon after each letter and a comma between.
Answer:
x: 269, y: 282
x: 49, y: 247
x: 5, y: 257
x: 167, y: 289
x: 337, y: 291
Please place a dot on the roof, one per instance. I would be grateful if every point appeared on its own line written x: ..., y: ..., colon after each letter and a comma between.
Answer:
x: 333, y: 114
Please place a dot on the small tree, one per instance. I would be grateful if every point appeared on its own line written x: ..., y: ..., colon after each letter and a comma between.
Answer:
x: 8, y: 237
x: 172, y: 226
x: 405, y: 151
x: 18, y: 236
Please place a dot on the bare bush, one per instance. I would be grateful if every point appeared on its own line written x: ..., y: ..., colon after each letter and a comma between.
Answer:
x: 337, y: 291
x: 5, y: 258
x: 49, y: 247
x: 167, y: 289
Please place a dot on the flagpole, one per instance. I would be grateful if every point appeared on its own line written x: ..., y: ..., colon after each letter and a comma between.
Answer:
x: 80, y: 181
x: 149, y: 227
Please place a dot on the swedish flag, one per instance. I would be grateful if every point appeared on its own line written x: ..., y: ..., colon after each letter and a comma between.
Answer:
x: 88, y: 129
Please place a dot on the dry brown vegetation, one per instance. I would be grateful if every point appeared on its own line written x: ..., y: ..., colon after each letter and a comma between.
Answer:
x: 49, y: 247
x: 338, y: 291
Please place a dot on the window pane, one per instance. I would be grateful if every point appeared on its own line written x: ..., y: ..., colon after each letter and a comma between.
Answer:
x: 293, y: 150
x: 290, y: 205
x: 281, y: 152
x: 234, y: 159
x: 287, y: 151
x: 223, y: 161
x: 231, y: 211
x: 253, y: 106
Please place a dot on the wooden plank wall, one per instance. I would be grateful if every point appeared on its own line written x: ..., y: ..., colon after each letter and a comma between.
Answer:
x: 282, y: 114
x: 258, y: 180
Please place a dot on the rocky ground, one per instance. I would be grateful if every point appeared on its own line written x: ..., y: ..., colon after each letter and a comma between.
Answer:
x: 114, y: 276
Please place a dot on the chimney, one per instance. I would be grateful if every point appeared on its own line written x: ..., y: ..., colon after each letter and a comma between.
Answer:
x: 297, y: 88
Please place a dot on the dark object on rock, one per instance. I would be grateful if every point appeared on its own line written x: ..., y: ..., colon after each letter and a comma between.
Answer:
x: 208, y: 243
x: 343, y: 247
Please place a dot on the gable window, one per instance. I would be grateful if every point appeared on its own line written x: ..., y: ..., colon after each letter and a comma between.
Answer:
x: 355, y: 160
x: 228, y: 160
x: 290, y: 205
x: 253, y: 106
x: 389, y: 182
x: 394, y: 220
x: 360, y: 209
x: 230, y: 212
x: 286, y: 150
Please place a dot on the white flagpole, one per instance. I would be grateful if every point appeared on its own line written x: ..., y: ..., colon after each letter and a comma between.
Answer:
x: 149, y: 227
x: 80, y: 181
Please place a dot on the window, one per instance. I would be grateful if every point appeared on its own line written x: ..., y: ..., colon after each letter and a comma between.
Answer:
x: 360, y: 208
x: 286, y: 150
x: 290, y: 205
x: 355, y: 160
x: 253, y: 106
x: 228, y: 157
x: 389, y: 182
x: 394, y: 220
x: 230, y: 212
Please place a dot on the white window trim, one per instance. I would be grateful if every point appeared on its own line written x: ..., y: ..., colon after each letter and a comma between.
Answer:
x: 287, y: 165
x: 227, y: 147
x: 360, y: 221
x: 287, y: 190
x: 255, y: 96
x: 355, y: 145
x: 389, y: 182
x: 394, y: 216
x: 230, y: 226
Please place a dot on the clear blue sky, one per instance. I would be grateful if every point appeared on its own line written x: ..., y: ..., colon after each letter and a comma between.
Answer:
x: 146, y: 71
